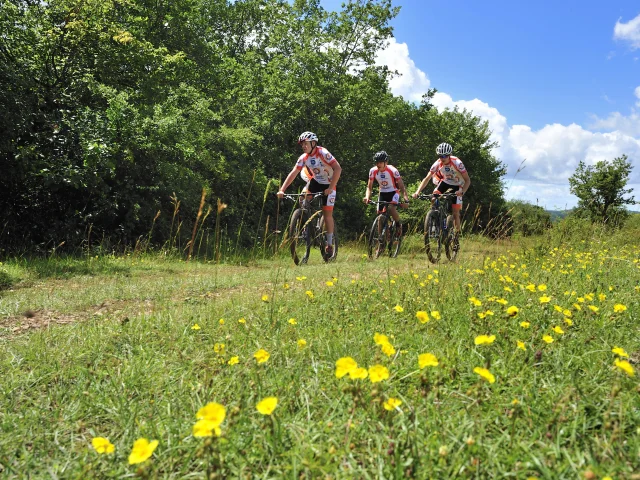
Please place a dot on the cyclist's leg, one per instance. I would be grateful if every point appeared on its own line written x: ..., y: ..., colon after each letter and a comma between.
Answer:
x: 393, y: 210
x: 456, y: 206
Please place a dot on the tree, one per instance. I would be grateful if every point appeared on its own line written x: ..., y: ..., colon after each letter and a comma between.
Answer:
x: 601, y: 190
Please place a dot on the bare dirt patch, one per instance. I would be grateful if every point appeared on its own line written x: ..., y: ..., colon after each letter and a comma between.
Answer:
x: 35, y: 319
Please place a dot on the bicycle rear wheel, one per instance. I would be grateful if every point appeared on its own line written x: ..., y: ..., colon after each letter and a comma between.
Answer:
x: 452, y: 244
x: 378, y: 237
x: 396, y: 239
x: 432, y: 236
x: 299, y: 237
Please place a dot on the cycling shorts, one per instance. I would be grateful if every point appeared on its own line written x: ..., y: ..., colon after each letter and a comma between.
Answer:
x: 444, y: 187
x: 393, y: 197
x: 328, y: 201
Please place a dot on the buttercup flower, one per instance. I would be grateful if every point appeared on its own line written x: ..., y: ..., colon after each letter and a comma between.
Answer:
x: 205, y: 428
x: 142, y: 450
x: 265, y: 298
x: 427, y: 360
x: 475, y: 301
x: 195, y: 327
x: 422, y: 316
x: 520, y: 345
x: 233, y: 360
x: 261, y: 355
x: 392, y: 403
x: 380, y: 339
x: 620, y: 352
x: 531, y: 287
x: 329, y: 283
x: 484, y: 373
x: 558, y: 330
x: 359, y: 373
x: 593, y: 308
x: 388, y: 349
x: 266, y: 406
x: 345, y: 365
x: 212, y: 412
x: 102, y: 445
x: 542, y: 287
x: 619, y: 308
x: 436, y: 315
x: 309, y: 294
x: 547, y: 338
x: 302, y: 343
x: 484, y: 339
x: 512, y: 311
x: 544, y: 299
x: 398, y: 309
x: 525, y: 324
x: 378, y: 373
x: 625, y: 367
x: 293, y: 321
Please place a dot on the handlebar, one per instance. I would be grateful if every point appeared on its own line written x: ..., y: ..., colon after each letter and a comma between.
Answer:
x: 294, y: 197
x: 437, y: 195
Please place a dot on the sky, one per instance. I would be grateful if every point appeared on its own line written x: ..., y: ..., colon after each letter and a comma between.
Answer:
x: 558, y: 81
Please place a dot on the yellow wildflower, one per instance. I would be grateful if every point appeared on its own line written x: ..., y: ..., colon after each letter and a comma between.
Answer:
x: 345, y: 365
x: 427, y: 360
x: 378, y: 373
x: 265, y: 298
x: 102, y: 445
x: 293, y: 321
x: 142, y: 450
x: 542, y: 287
x: 242, y: 320
x: 309, y: 294
x: 531, y: 287
x: 520, y: 345
x: 422, y: 316
x: 619, y: 308
x: 398, y: 309
x: 329, y: 283
x: 436, y: 315
x: 593, y: 308
x: 234, y: 360
x: 544, y: 299
x: 195, y: 327
x: 392, y: 404
x: 625, y: 367
x: 266, y: 406
x: 261, y: 355
x: 484, y: 339
x: 512, y: 311
x: 558, y: 330
x: 359, y: 373
x: 547, y: 338
x: 380, y: 339
x: 475, y: 301
x: 388, y: 349
x: 484, y: 373
x: 302, y: 343
x: 620, y: 352
x: 568, y: 321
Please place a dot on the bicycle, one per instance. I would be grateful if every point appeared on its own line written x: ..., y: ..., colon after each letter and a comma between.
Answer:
x: 306, y: 228
x: 383, y: 235
x: 439, y: 230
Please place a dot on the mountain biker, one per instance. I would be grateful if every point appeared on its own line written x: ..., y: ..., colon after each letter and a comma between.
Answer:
x: 324, y: 171
x: 390, y: 183
x: 449, y: 174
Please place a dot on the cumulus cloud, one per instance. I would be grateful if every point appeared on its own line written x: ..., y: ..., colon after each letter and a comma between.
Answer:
x: 411, y: 83
x: 628, y: 32
x: 539, y: 162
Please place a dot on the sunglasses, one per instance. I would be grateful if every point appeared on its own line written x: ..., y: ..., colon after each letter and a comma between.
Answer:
x: 444, y: 156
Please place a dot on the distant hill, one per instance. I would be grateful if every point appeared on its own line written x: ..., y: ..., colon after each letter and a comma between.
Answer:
x: 558, y: 214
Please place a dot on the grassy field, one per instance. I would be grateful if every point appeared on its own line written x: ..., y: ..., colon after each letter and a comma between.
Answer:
x: 533, y: 369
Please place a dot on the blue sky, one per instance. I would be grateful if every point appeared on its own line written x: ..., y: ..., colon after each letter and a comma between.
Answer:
x: 559, y: 81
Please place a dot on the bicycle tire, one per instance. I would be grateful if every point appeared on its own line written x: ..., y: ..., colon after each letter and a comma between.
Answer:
x: 452, y: 244
x: 323, y: 242
x: 396, y: 241
x: 299, y: 237
x: 377, y: 237
x: 432, y: 236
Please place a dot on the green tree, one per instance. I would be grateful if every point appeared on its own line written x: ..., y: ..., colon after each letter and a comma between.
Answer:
x: 528, y: 219
x: 601, y: 190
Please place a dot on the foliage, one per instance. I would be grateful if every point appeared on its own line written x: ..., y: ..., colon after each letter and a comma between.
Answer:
x: 528, y: 219
x: 601, y: 190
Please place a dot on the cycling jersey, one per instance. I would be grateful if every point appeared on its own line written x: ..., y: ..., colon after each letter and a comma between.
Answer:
x: 387, y: 178
x: 320, y: 164
x: 451, y: 173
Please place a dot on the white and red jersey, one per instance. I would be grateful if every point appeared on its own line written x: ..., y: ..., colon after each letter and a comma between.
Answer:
x: 451, y: 173
x: 319, y: 163
x: 387, y: 178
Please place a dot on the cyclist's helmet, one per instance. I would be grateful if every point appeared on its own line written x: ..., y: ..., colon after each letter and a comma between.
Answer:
x: 380, y: 156
x: 312, y: 137
x: 444, y: 149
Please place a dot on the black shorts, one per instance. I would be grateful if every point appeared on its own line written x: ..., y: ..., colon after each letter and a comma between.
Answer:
x: 392, y: 197
x: 327, y: 200
x: 444, y: 187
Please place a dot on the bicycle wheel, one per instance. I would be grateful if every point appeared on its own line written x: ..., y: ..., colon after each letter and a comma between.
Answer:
x: 452, y: 244
x: 396, y: 240
x: 432, y: 234
x: 299, y: 237
x: 323, y: 242
x: 377, y: 237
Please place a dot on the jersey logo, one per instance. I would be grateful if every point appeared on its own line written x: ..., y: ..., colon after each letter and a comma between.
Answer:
x: 312, y: 161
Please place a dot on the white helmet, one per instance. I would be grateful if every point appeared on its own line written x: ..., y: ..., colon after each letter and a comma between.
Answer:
x: 444, y: 149
x: 310, y: 136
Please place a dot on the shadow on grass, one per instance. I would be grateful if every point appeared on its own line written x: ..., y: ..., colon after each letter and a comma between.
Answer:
x: 68, y: 267
x: 6, y: 280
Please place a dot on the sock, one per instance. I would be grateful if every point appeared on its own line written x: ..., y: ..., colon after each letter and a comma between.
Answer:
x: 329, y: 238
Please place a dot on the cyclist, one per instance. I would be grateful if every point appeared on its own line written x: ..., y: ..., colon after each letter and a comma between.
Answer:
x: 449, y: 174
x: 324, y: 171
x: 391, y: 185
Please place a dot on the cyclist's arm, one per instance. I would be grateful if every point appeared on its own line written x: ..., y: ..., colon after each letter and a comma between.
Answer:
x: 425, y: 180
x: 402, y: 189
x: 287, y: 181
x: 467, y: 182
x: 337, y: 170
x: 367, y: 196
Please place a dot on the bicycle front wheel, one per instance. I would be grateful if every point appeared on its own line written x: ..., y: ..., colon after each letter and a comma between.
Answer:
x: 432, y: 236
x: 299, y: 237
x: 328, y: 257
x: 378, y: 237
x: 452, y: 245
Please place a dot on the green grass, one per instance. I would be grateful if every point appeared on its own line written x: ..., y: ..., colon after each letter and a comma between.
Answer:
x: 128, y: 364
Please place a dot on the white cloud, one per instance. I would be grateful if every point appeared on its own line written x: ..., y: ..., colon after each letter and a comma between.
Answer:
x: 629, y: 32
x: 412, y: 82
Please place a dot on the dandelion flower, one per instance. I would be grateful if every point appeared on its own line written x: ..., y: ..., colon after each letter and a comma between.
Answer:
x: 392, y: 404
x: 508, y: 289
x: 625, y: 367
x: 221, y: 321
x: 234, y: 360
x: 422, y: 316
x: 525, y: 324
x: 512, y: 311
x: 309, y: 294
x: 265, y: 298
x: 261, y: 355
x: 484, y: 373
x: 427, y: 360
x: 102, y: 445
x: 547, y: 338
x: 380, y: 339
x: 567, y: 313
x: 285, y: 286
x: 544, y: 299
x: 205, y: 428
x: 345, y: 365
x: 521, y: 345
x: 619, y: 308
x: 195, y: 327
x: 242, y: 320
x: 300, y: 279
x: 388, y: 349
x: 378, y: 373
x: 302, y: 343
x: 436, y: 315
x: 142, y: 450
x: 329, y: 283
x: 293, y: 321
x: 359, y: 373
x: 531, y: 287
x: 398, y: 309
x: 502, y: 301
x: 593, y: 308
x: 212, y: 412
x: 484, y: 339
x: 620, y: 352
x: 542, y: 287
x: 558, y: 330
x: 475, y: 301
x: 266, y: 406
x: 568, y: 321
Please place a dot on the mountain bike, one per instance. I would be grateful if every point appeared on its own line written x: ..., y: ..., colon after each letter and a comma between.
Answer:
x: 306, y: 228
x: 384, y: 233
x: 439, y: 230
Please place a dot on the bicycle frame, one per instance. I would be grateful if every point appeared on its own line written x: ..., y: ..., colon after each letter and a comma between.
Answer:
x: 439, y: 230
x: 383, y: 232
